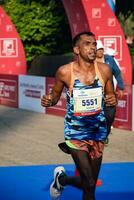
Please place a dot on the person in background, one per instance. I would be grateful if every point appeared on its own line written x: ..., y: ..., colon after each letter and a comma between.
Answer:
x: 112, y: 52
x: 108, y: 57
x: 103, y: 57
x: 85, y: 127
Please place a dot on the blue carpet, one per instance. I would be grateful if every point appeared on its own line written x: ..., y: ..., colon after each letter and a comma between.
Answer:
x: 32, y: 182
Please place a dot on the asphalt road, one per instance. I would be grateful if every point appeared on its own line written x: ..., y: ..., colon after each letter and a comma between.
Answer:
x: 30, y: 138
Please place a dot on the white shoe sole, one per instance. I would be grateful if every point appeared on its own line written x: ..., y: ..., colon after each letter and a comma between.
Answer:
x: 55, y: 194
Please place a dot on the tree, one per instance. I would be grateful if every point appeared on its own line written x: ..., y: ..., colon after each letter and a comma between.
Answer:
x: 125, y: 14
x: 38, y: 24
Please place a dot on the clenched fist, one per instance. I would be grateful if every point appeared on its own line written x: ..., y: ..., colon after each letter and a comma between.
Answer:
x: 46, y: 100
x: 110, y: 100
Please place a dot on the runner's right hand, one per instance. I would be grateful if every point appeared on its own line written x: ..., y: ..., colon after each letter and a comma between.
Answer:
x: 46, y: 100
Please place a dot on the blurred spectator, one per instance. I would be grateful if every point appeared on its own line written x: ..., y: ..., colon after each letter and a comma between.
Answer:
x: 107, y: 56
x: 112, y: 52
x: 130, y: 41
x: 108, y: 59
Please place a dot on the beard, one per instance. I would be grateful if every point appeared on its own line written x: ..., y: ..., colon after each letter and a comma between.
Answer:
x: 88, y: 58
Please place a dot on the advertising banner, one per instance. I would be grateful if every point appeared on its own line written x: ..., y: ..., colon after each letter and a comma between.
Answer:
x: 107, y: 28
x: 12, y: 55
x: 59, y: 108
x: 123, y: 118
x: 98, y: 17
x: 31, y: 89
x: 76, y: 16
x: 9, y: 90
x: 133, y: 108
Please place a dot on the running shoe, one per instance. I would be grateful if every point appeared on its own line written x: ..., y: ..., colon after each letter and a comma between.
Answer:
x: 56, y: 188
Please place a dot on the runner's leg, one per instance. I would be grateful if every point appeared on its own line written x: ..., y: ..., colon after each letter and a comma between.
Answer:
x: 86, y: 180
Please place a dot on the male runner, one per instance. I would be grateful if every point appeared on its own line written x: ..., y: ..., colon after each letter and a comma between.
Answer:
x: 87, y: 86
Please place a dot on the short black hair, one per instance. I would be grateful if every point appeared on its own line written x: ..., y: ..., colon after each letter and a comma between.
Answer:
x: 77, y: 37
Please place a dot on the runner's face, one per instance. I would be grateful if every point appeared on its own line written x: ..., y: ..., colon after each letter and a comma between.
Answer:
x: 87, y: 48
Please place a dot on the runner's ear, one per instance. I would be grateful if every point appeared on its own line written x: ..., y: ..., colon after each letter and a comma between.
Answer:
x: 76, y: 50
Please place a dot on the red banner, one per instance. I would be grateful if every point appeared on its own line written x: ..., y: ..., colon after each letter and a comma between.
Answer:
x: 98, y: 17
x: 123, y: 118
x: 9, y: 90
x: 12, y: 56
x: 76, y: 16
x: 59, y: 109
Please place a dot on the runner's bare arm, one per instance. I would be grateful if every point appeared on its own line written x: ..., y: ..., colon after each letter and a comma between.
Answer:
x: 110, y: 96
x: 52, y: 98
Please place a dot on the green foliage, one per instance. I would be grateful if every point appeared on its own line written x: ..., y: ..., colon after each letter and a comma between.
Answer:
x: 127, y: 23
x: 131, y: 51
x: 38, y: 25
x: 125, y: 15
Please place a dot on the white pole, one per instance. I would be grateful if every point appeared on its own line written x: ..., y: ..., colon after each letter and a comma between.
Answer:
x: 111, y: 4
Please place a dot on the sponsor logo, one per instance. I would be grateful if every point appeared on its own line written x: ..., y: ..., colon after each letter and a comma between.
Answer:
x: 8, y: 47
x: 96, y: 12
x: 33, y: 93
x: 111, y: 22
x: 122, y: 112
x: 8, y: 90
x: 9, y: 28
x: 122, y: 103
x: 114, y: 42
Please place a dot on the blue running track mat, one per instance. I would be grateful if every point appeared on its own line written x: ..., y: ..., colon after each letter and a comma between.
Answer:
x: 32, y: 182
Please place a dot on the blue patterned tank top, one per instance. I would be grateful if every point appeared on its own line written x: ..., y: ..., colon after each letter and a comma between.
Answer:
x: 90, y: 126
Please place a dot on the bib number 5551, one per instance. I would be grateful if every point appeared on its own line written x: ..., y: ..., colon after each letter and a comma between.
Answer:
x: 89, y: 102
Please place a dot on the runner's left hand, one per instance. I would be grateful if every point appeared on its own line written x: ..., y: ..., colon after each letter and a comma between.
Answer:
x: 110, y: 100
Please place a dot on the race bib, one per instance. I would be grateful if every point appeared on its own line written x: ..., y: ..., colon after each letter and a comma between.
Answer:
x: 87, y: 101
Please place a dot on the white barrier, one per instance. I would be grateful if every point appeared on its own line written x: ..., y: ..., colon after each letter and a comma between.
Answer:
x: 31, y: 89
